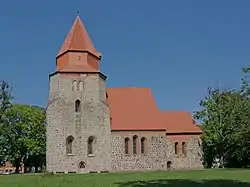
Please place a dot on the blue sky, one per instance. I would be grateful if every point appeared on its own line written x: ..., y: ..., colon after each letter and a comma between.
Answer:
x: 176, y: 48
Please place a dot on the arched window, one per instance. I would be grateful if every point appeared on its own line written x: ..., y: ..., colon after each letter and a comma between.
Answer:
x: 69, y: 145
x: 81, y: 86
x: 127, y: 142
x: 77, y: 105
x: 143, y: 145
x: 184, y: 151
x: 135, y: 139
x: 176, y: 148
x: 74, y: 86
x: 90, y: 145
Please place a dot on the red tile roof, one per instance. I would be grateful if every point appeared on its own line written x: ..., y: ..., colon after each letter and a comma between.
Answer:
x: 136, y: 109
x: 78, y: 40
x: 133, y: 109
x: 179, y: 122
x: 77, y: 53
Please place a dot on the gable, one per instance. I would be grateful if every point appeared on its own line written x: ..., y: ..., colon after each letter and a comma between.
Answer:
x: 136, y: 109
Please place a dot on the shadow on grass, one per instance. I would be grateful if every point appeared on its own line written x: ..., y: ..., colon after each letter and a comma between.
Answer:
x: 184, y: 183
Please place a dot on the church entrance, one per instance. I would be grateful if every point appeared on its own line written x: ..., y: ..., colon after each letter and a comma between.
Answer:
x: 81, y: 167
x: 169, y: 165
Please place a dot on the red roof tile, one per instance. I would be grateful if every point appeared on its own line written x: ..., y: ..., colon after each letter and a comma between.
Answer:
x: 133, y: 109
x: 78, y: 39
x: 136, y: 109
x: 179, y: 122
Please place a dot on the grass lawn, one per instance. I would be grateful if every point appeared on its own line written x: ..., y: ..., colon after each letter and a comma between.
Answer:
x: 204, y: 178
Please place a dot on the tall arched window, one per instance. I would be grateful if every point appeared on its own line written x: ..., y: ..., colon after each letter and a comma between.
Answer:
x: 80, y: 86
x: 77, y: 105
x: 143, y: 145
x: 135, y: 148
x: 176, y: 148
x: 184, y: 151
x: 74, y: 86
x: 69, y: 145
x: 90, y: 145
x: 127, y: 141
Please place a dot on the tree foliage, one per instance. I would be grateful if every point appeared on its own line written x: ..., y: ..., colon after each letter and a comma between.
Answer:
x: 22, y: 132
x: 225, y: 117
x: 5, y: 106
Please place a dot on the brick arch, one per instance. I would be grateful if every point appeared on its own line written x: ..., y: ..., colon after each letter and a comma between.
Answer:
x: 135, y: 144
x: 127, y: 145
x: 176, y: 147
x: 82, y: 165
x: 184, y: 148
x: 143, y: 145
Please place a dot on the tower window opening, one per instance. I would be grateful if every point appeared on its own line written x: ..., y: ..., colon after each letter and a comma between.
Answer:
x: 77, y: 106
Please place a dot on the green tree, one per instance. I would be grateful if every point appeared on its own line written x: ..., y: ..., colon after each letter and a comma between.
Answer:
x: 224, y: 119
x: 35, y: 138
x: 29, y: 134
x: 5, y: 106
x: 245, y: 88
x: 24, y: 135
x: 244, y: 153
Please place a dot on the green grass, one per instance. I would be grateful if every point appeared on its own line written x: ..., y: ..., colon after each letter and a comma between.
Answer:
x: 204, y: 178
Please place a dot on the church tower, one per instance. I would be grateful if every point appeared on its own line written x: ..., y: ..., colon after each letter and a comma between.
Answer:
x: 78, y: 116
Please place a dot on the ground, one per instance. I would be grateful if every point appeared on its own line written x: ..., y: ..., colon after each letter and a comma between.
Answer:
x: 204, y: 178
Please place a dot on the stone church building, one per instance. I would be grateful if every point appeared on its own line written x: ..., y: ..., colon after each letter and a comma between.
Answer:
x: 91, y: 128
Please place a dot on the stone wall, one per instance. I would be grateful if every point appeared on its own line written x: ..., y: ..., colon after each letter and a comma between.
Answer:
x: 193, y: 157
x: 160, y: 151
x: 154, y: 159
x: 92, y: 120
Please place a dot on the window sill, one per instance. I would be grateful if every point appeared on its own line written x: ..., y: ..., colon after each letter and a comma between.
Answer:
x: 91, y: 155
x: 70, y: 154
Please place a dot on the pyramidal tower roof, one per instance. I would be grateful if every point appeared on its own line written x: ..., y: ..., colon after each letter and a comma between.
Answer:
x: 78, y: 40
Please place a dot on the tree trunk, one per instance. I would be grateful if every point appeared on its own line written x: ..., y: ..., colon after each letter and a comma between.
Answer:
x: 221, y: 162
x: 17, y: 166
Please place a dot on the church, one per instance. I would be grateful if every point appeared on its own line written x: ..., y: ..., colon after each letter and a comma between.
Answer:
x: 91, y: 128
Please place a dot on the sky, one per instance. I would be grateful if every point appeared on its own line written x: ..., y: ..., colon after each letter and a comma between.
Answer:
x: 176, y: 48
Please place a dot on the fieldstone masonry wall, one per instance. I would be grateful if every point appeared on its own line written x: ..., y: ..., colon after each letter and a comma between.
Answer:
x: 92, y: 120
x: 154, y: 159
x: 160, y: 152
x: 109, y: 147
x: 193, y: 157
